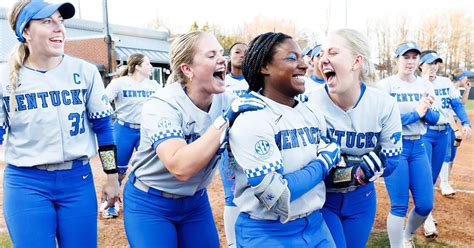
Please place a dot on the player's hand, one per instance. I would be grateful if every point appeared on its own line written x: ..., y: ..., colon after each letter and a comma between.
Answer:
x: 466, y: 130
x: 422, y: 107
x: 111, y: 190
x: 371, y: 169
x: 329, y: 154
x: 467, y: 86
x: 246, y: 102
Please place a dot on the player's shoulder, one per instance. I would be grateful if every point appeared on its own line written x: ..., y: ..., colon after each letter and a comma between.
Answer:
x: 71, y: 62
x: 378, y: 97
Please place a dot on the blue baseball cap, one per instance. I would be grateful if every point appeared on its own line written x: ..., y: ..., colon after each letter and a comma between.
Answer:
x: 306, y: 51
x: 430, y: 58
x: 407, y: 46
x: 38, y: 9
x: 316, y: 50
x: 464, y: 74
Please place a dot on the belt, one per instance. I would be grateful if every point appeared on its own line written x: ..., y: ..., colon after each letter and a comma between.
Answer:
x: 440, y: 127
x: 145, y: 188
x: 411, y: 137
x: 342, y: 190
x: 63, y: 166
x: 291, y: 219
x: 127, y: 124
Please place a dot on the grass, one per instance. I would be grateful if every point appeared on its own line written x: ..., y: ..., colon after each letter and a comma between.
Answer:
x: 380, y: 239
x: 5, y: 241
x: 469, y: 105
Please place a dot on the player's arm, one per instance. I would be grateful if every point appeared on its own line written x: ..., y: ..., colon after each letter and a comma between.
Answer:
x: 391, y: 138
x: 112, y: 90
x: 3, y: 118
x: 186, y: 160
x: 467, y: 90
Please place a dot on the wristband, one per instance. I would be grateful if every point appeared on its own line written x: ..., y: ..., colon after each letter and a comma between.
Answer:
x: 220, y: 122
x: 108, y: 156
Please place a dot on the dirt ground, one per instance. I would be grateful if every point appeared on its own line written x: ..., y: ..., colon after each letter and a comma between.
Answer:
x: 455, y: 215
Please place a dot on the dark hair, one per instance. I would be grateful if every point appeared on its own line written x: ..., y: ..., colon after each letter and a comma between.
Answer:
x: 229, y: 64
x: 259, y: 53
x: 422, y: 54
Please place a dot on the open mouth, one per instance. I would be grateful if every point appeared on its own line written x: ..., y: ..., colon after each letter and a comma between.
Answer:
x: 220, y: 75
x: 329, y: 73
x: 57, y: 40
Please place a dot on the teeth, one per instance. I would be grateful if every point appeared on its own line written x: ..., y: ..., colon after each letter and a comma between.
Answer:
x: 327, y: 70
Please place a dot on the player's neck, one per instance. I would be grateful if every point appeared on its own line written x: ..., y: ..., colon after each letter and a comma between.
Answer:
x: 236, y: 72
x: 40, y: 63
x: 200, y: 99
x: 407, y: 77
x: 138, y: 77
x: 348, y: 99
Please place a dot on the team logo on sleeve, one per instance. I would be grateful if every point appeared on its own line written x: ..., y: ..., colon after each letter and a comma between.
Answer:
x: 164, y: 123
x: 263, y: 149
x: 105, y: 99
x: 397, y: 136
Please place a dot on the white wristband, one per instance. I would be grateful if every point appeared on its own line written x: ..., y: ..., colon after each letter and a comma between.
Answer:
x: 219, y: 122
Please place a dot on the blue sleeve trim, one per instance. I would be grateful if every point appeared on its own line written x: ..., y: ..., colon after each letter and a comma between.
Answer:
x: 431, y: 117
x: 264, y: 169
x: 157, y: 142
x: 458, y: 108
x: 104, y: 131
x: 390, y: 165
x: 410, y: 118
x: 2, y: 133
x: 303, y: 180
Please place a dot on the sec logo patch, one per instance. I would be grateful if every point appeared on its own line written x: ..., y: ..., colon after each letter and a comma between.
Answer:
x: 164, y: 123
x: 263, y: 149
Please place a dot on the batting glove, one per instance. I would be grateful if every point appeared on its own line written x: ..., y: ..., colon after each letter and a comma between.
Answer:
x: 372, y: 168
x: 247, y: 102
x: 329, y: 154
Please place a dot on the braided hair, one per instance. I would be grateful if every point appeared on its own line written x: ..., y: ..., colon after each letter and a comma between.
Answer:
x: 259, y: 54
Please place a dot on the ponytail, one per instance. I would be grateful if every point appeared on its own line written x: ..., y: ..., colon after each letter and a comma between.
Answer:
x: 17, y: 60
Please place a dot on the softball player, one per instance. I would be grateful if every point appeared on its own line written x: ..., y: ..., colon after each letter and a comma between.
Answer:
x: 345, y: 100
x: 460, y: 79
x: 415, y: 97
x: 165, y: 199
x: 129, y: 91
x: 49, y: 197
x: 279, y: 187
x: 234, y: 82
x: 436, y: 137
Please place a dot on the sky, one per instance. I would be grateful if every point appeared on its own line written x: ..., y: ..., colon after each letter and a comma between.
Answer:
x: 307, y: 15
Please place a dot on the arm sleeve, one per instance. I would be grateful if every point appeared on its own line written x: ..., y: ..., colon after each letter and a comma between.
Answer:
x: 303, y: 180
x: 458, y: 108
x: 112, y: 90
x: 409, y: 118
x: 3, y: 116
x: 432, y: 116
x: 103, y: 129
x: 391, y: 137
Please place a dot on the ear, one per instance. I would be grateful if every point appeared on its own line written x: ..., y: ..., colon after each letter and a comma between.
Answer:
x: 26, y: 34
x: 187, y: 70
x: 359, y: 61
x: 264, y: 70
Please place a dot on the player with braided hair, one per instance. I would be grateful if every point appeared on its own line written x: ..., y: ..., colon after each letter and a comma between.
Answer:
x: 436, y: 137
x: 281, y: 158
x: 370, y: 143
x: 56, y: 112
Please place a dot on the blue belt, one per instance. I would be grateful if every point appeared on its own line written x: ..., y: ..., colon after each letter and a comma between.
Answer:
x: 129, y: 125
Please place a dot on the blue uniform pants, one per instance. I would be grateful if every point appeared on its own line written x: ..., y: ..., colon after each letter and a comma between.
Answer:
x: 152, y: 220
x: 42, y: 207
x: 350, y: 215
x: 436, y: 148
x: 126, y: 139
x: 413, y: 173
x: 309, y: 231
x: 451, y: 149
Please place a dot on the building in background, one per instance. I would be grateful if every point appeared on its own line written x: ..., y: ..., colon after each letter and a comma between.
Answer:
x: 87, y: 40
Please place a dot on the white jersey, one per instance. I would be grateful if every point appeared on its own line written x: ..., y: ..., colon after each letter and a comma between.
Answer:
x: 310, y: 85
x: 129, y: 97
x: 445, y: 92
x: 177, y: 117
x: 49, y: 125
x: 374, y: 121
x: 408, y: 95
x: 236, y: 85
x: 269, y: 139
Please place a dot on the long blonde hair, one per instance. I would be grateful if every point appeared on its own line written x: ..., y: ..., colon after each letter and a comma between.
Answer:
x: 18, y: 55
x: 182, y: 51
x: 358, y: 44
